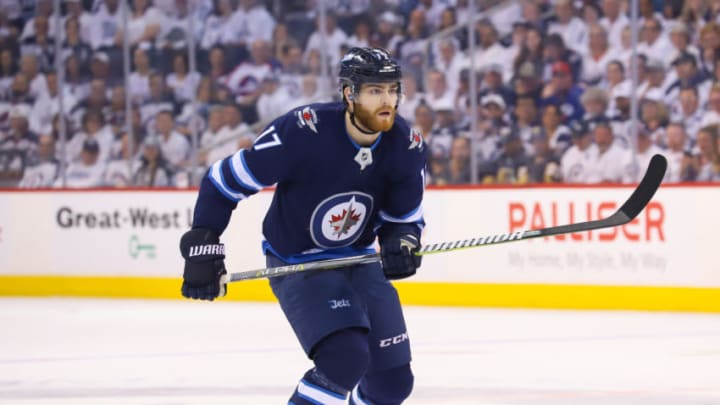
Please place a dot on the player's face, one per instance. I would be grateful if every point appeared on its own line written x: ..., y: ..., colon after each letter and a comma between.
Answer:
x: 375, y: 106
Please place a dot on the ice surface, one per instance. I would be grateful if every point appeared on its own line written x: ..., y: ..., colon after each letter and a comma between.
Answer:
x: 92, y: 351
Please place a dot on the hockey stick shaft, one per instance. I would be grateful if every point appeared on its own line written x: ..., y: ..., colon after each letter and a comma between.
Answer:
x: 637, y: 201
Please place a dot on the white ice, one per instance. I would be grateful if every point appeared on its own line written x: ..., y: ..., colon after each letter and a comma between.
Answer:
x: 91, y: 351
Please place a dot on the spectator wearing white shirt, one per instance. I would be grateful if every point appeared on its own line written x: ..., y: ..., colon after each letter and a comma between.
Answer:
x: 182, y: 83
x: 330, y: 42
x: 531, y: 14
x: 311, y: 92
x: 451, y: 61
x: 504, y: 17
x: 572, y: 29
x: 676, y: 153
x: 174, y: 33
x: 239, y: 130
x: 490, y: 51
x: 291, y: 75
x: 655, y: 78
x: 250, y: 22
x: 594, y: 101
x: 245, y: 79
x: 18, y: 143
x: 654, y: 114
x: 174, y: 146
x: 43, y: 9
x: 218, y: 29
x: 42, y: 169
x: 361, y: 34
x: 215, y: 143
x: 74, y: 43
x: 708, y: 43
x: 121, y: 167
x: 41, y: 44
x: 711, y: 114
x: 274, y: 100
x: 707, y: 155
x: 576, y: 163
x: 654, y: 41
x: 681, y: 39
x: 48, y: 105
x: 93, y: 128
x: 218, y: 69
x: 688, y: 75
x: 559, y: 135
x: 37, y: 84
x: 106, y: 23
x: 387, y: 35
x: 411, y: 98
x: 140, y: 77
x: 625, y: 50
x: 689, y: 111
x: 612, y: 164
x: 160, y: 99
x: 614, y: 22
x: 597, y: 56
x: 411, y: 50
x: 88, y: 170
x: 154, y: 169
x: 75, y: 10
x: 438, y: 92
x: 614, y: 75
x: 96, y: 100
x: 144, y: 23
x: 696, y: 14
x: 76, y: 81
x: 433, y: 10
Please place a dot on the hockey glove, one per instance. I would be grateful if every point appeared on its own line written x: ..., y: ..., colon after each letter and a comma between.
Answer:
x: 398, y: 245
x: 204, y: 265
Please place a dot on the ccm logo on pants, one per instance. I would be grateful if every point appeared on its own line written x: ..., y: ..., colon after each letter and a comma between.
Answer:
x: 394, y: 340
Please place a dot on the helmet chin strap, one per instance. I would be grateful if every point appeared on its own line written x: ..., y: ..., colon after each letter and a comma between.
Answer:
x: 352, y: 120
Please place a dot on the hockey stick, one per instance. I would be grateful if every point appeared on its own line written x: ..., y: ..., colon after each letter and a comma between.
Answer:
x: 627, y: 212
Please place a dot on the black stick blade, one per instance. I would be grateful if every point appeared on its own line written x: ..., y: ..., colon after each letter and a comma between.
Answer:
x: 647, y: 187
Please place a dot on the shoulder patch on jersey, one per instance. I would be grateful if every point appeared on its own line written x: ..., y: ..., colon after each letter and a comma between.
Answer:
x: 308, y: 118
x: 416, y: 139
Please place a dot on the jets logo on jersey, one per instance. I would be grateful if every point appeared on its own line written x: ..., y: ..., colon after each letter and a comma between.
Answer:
x: 307, y: 117
x: 416, y: 140
x: 339, y: 220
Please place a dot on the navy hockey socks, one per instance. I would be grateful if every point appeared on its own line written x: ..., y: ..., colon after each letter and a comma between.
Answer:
x: 340, y: 359
x: 388, y: 387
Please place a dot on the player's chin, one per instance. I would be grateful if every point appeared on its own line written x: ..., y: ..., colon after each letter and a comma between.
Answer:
x: 383, y: 121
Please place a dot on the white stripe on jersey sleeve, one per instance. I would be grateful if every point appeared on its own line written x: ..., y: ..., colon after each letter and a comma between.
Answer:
x: 217, y: 178
x: 242, y: 174
x: 313, y: 393
x: 414, y: 216
x: 356, y: 397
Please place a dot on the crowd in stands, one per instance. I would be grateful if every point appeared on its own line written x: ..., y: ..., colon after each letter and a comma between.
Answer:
x: 553, y: 85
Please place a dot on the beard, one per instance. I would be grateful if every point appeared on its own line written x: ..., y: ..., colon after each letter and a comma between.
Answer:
x: 373, y: 121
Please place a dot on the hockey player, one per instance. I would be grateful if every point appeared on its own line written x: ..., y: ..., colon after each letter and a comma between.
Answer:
x: 346, y: 173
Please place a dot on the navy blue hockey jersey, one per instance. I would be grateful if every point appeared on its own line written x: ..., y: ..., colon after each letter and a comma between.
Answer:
x: 331, y: 194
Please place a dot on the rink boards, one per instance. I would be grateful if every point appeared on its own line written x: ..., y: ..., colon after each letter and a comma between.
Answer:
x: 125, y: 244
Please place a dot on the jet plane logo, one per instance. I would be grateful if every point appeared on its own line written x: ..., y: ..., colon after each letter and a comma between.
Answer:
x: 344, y: 221
x: 416, y: 140
x: 339, y: 220
x: 308, y: 118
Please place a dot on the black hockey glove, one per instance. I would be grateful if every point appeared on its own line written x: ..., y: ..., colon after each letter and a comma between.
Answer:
x: 398, y: 245
x: 204, y: 265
